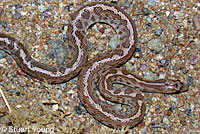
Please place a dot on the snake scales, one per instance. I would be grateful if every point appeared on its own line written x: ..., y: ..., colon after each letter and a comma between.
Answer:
x: 99, y: 74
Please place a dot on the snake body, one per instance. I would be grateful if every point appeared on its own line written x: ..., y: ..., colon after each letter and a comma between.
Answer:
x: 98, y: 76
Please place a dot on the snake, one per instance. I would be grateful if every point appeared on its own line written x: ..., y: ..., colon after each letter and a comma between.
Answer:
x: 102, y: 83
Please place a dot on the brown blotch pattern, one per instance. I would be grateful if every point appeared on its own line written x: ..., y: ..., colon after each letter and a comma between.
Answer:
x: 79, y: 35
x: 86, y: 14
x: 79, y: 24
x: 128, y: 91
x: 125, y: 72
x: 98, y: 10
x: 117, y: 91
x: 93, y: 18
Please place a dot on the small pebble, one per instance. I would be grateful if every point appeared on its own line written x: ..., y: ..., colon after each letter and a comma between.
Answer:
x: 165, y: 120
x: 143, y: 67
x: 145, y: 11
x: 188, y: 111
x: 18, y: 7
x: 155, y: 45
x: 151, y: 2
x: 190, y: 80
x: 162, y: 63
x: 63, y: 36
x: 46, y: 14
x: 193, y: 60
x: 174, y: 99
x: 5, y: 26
x: 148, y: 26
x: 18, y: 93
x: 67, y: 8
x: 17, y: 15
x: 158, y: 31
x: 148, y: 75
x: 138, y: 48
x: 149, y: 20
x: 55, y: 107
x: 63, y: 86
x: 196, y: 21
x: 2, y: 54
x: 113, y: 42
x: 89, y: 45
x: 143, y: 131
x: 58, y: 50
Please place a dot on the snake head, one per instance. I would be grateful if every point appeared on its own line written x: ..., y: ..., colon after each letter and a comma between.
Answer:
x: 173, y: 86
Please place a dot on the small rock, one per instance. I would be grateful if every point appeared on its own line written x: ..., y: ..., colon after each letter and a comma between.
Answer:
x: 149, y: 20
x: 162, y: 76
x: 148, y: 26
x: 58, y: 50
x: 18, y: 7
x: 63, y: 36
x: 151, y: 2
x: 178, y: 14
x: 190, y: 80
x: 143, y: 67
x: 143, y: 131
x: 193, y: 60
x: 63, y: 86
x: 67, y: 8
x: 162, y: 63
x: 138, y: 48
x: 2, y: 54
x: 17, y: 15
x: 188, y: 111
x: 4, y: 24
x: 173, y: 99
x: 145, y: 11
x: 165, y: 120
x: 158, y: 31
x: 113, y: 42
x: 46, y: 14
x: 55, y: 107
x: 167, y: 13
x: 155, y: 45
x: 148, y: 75
x: 90, y: 45
x: 196, y: 21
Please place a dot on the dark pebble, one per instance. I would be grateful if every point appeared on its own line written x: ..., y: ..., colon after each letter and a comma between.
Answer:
x: 157, y: 109
x: 114, y: 2
x: 162, y: 63
x: 4, y: 24
x: 188, y: 111
x: 138, y: 48
x: 18, y: 6
x: 148, y: 26
x: 145, y: 11
x: 46, y: 14
x: 67, y: 8
x: 63, y: 26
x: 190, y: 80
x: 18, y: 93
x: 171, y: 108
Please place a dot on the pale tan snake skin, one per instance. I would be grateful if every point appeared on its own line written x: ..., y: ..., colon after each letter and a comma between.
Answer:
x: 98, y: 75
